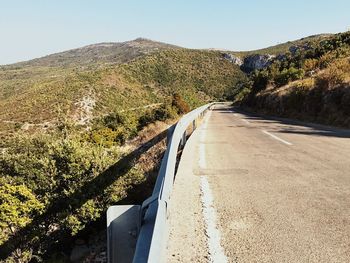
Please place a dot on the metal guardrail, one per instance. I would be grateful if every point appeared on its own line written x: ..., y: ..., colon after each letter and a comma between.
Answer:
x: 152, y: 227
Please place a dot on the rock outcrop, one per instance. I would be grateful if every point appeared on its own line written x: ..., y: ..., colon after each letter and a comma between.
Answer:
x: 233, y: 59
x: 294, y: 49
x: 256, y: 61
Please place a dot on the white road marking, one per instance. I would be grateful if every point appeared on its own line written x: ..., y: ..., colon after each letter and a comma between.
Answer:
x: 202, y: 162
x: 204, y: 126
x: 276, y: 138
x: 216, y: 252
x: 202, y: 133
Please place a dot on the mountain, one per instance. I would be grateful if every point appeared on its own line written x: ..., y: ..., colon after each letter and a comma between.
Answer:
x: 101, y: 53
x: 113, y: 77
x: 109, y: 77
x: 282, y: 47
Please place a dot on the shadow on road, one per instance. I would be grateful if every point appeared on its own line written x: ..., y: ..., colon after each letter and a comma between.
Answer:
x: 289, y: 125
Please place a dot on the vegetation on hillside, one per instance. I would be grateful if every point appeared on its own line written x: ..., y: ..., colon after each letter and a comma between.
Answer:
x: 72, y: 138
x: 198, y: 76
x: 96, y: 55
x: 56, y: 184
x: 312, y: 84
x: 283, y: 47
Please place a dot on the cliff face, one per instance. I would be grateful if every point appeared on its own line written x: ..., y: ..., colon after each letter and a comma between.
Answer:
x: 256, y: 61
x: 250, y: 62
x: 233, y: 59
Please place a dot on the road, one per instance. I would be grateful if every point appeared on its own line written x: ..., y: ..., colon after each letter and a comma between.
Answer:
x: 254, y: 189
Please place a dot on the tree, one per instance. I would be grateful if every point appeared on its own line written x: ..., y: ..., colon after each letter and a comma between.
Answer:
x: 17, y: 206
x: 179, y: 103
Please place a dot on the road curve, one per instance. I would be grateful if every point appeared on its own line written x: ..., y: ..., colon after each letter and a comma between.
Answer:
x: 280, y: 192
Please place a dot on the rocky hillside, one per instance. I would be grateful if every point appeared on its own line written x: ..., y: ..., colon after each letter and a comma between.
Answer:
x: 261, y: 58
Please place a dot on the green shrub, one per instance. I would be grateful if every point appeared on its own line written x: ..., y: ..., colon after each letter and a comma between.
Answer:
x: 115, y: 128
x: 287, y: 75
x: 162, y: 113
x: 106, y: 137
x: 42, y: 169
x: 242, y: 95
x: 18, y: 205
x: 260, y: 79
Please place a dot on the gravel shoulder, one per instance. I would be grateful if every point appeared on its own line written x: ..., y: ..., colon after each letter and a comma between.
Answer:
x: 187, y: 239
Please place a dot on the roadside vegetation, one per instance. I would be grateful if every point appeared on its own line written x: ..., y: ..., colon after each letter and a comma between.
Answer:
x: 311, y: 84
x: 283, y: 47
x: 55, y: 185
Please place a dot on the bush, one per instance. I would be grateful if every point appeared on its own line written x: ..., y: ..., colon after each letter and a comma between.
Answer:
x: 106, y: 137
x: 310, y: 64
x: 242, y: 95
x: 260, y: 80
x: 326, y: 60
x: 17, y: 207
x: 179, y: 104
x: 124, y: 123
x: 114, y: 129
x: 162, y: 113
x: 294, y: 100
x: 43, y: 170
x: 335, y: 74
x: 287, y: 75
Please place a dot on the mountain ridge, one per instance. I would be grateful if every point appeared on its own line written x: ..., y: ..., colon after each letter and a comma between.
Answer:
x: 116, y: 75
x: 112, y: 52
x: 146, y: 46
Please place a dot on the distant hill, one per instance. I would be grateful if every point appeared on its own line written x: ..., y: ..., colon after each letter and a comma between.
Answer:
x: 283, y: 47
x: 109, y: 52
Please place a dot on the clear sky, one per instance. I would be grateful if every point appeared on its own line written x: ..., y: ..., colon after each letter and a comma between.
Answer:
x: 34, y: 28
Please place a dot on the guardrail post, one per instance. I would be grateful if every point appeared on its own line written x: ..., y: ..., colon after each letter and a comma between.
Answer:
x: 183, y: 140
x: 194, y: 124
x: 170, y: 133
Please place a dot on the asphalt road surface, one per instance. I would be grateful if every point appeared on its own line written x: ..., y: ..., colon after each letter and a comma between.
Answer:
x: 255, y: 189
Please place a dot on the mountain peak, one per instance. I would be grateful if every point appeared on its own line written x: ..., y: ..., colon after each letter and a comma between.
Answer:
x: 141, y: 39
x: 105, y: 52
